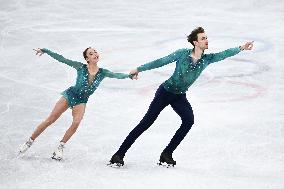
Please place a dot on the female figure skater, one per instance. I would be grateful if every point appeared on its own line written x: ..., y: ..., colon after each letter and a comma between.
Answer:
x: 89, y: 76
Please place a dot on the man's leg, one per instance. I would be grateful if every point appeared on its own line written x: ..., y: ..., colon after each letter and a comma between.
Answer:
x: 160, y: 101
x: 183, y: 108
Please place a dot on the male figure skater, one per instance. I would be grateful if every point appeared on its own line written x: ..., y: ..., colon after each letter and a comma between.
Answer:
x: 189, y: 65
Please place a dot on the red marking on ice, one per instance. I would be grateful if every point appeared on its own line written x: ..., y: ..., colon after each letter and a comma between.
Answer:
x: 258, y: 91
x: 148, y: 90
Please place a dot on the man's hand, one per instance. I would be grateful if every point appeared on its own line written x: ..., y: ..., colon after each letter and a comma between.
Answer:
x: 247, y: 46
x: 38, y: 51
x: 134, y: 73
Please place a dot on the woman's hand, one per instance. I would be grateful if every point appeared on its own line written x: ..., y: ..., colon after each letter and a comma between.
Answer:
x: 38, y: 51
x: 134, y: 74
x: 247, y: 46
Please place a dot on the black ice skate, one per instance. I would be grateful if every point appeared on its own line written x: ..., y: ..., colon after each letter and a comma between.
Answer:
x: 167, y: 160
x: 116, y: 161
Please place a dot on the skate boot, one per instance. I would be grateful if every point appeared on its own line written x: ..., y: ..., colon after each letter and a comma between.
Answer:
x: 26, y: 146
x: 116, y: 161
x: 168, y: 159
x: 58, y: 154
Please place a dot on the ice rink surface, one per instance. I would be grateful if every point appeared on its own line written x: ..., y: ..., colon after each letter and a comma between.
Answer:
x: 237, y: 140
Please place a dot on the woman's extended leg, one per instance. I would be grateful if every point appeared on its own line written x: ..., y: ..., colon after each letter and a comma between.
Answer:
x: 60, y: 107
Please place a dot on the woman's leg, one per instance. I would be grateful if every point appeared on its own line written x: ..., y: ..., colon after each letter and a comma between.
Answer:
x: 78, y: 114
x: 60, y: 107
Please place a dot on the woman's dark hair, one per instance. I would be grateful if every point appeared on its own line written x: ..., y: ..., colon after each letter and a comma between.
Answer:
x: 193, y: 36
x: 85, y: 52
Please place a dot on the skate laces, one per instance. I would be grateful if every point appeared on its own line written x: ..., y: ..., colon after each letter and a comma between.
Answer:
x: 29, y: 142
x: 167, y: 156
x: 61, y: 146
x: 170, y: 157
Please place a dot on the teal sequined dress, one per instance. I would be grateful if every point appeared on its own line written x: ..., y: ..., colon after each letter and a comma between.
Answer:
x: 82, y: 90
x: 186, y: 71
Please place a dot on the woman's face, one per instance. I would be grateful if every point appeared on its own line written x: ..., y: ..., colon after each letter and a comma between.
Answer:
x: 92, y: 56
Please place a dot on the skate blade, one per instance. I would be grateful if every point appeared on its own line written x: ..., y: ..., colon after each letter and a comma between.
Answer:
x: 19, y: 155
x: 54, y: 158
x: 164, y: 164
x: 115, y: 165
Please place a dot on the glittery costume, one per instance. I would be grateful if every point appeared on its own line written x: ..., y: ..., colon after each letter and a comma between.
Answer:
x: 186, y: 71
x: 80, y: 92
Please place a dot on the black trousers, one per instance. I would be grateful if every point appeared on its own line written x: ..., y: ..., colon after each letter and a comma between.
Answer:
x: 162, y: 99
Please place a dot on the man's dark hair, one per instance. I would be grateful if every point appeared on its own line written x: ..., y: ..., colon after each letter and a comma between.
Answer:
x: 85, y: 52
x: 193, y: 36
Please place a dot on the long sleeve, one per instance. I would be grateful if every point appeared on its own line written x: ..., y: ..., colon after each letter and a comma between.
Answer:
x: 215, y: 57
x: 160, y: 62
x: 60, y: 58
x: 115, y: 75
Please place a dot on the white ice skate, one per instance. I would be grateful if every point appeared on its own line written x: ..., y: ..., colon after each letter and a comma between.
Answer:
x: 26, y: 146
x: 58, y: 154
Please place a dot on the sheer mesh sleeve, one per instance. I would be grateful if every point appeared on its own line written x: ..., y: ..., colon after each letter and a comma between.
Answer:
x: 60, y: 58
x: 110, y: 74
x: 161, y: 61
x: 215, y: 57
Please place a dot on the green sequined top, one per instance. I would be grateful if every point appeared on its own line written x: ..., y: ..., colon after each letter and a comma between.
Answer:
x: 186, y: 71
x: 80, y: 92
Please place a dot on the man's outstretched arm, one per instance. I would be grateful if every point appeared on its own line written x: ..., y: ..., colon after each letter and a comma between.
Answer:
x: 157, y: 63
x: 215, y: 57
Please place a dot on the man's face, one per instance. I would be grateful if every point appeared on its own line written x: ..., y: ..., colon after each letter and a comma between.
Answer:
x: 202, y: 41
